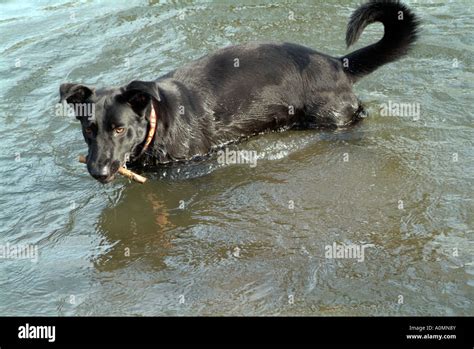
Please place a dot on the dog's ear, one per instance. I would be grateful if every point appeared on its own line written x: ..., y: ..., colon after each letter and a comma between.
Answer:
x: 139, y: 94
x: 75, y: 93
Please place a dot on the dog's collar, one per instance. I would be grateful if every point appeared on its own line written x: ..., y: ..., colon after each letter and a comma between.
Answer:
x: 151, y: 131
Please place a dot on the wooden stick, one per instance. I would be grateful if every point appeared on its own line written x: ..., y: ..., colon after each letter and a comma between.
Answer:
x: 122, y: 170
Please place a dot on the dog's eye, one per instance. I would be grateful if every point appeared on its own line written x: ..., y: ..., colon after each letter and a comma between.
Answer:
x: 88, y: 130
x: 119, y: 130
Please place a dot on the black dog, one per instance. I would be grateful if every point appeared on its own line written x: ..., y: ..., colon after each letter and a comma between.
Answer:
x: 234, y: 93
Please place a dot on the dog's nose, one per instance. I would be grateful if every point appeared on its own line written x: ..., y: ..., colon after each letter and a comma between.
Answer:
x: 102, y: 173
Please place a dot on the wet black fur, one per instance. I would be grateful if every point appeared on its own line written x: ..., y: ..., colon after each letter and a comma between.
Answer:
x: 236, y: 92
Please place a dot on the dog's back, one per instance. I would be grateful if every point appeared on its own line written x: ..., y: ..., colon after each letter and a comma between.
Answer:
x: 252, y: 87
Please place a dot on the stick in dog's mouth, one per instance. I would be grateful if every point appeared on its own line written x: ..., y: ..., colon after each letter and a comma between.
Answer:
x: 122, y: 170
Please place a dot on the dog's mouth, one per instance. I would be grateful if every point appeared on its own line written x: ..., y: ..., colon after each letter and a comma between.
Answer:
x: 105, y: 174
x: 113, y: 171
x: 107, y: 179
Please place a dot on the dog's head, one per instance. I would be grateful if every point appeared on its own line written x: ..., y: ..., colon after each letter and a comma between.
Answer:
x: 114, y: 122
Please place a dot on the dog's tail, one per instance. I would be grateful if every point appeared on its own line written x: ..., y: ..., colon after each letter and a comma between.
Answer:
x: 401, y: 31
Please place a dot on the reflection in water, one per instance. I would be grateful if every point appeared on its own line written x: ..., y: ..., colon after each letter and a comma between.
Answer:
x: 136, y: 227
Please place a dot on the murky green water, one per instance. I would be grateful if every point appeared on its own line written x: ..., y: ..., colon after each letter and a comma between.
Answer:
x: 206, y: 239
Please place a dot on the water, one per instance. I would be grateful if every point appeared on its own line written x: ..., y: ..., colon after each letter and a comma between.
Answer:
x: 206, y: 239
